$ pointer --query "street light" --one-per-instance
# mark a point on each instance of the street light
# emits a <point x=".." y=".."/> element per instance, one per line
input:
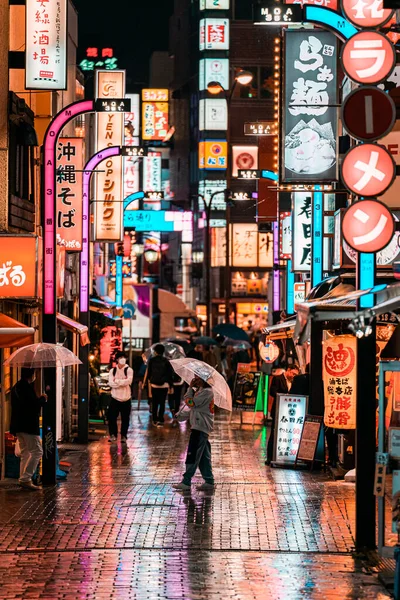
<point x="214" y="87"/>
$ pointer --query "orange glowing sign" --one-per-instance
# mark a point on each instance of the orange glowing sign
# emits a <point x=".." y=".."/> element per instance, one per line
<point x="213" y="154"/>
<point x="18" y="267"/>
<point x="155" y="117"/>
<point x="339" y="359"/>
<point x="70" y="157"/>
<point x="155" y="95"/>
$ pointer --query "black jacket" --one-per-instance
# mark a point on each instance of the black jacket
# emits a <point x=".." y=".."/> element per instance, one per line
<point x="160" y="371"/>
<point x="25" y="409"/>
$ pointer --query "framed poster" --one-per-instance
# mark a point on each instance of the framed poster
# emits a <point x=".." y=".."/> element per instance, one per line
<point x="289" y="421"/>
<point x="245" y="390"/>
<point x="310" y="438"/>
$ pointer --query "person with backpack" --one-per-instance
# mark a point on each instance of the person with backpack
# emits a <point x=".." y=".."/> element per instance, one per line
<point x="120" y="380"/>
<point x="160" y="374"/>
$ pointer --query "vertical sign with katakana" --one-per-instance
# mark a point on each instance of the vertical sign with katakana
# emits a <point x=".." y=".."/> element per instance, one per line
<point x="109" y="184"/>
<point x="131" y="138"/>
<point x="46" y="45"/>
<point x="290" y="415"/>
<point x="339" y="364"/>
<point x="309" y="123"/>
<point x="70" y="156"/>
<point x="301" y="231"/>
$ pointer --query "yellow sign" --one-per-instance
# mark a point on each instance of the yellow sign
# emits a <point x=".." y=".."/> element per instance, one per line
<point x="155" y="95"/>
<point x="339" y="360"/>
<point x="213" y="154"/>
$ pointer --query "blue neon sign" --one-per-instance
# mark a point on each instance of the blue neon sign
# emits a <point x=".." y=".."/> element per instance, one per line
<point x="289" y="288"/>
<point x="317" y="237"/>
<point x="340" y="26"/>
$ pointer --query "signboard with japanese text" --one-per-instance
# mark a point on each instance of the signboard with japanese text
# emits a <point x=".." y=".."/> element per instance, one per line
<point x="301" y="228"/>
<point x="285" y="235"/>
<point x="270" y="12"/>
<point x="155" y="118"/>
<point x="299" y="293"/>
<point x="368" y="57"/>
<point x="261" y="128"/>
<point x="109" y="185"/>
<point x="368" y="226"/>
<point x="213" y="114"/>
<point x="152" y="172"/>
<point x="110" y="344"/>
<point x="19" y="267"/>
<point x="214" y="4"/>
<point x="309" y="438"/>
<point x="208" y="187"/>
<point x="289" y="421"/>
<point x="213" y="69"/>
<point x="99" y="58"/>
<point x="155" y="95"/>
<point x="368" y="14"/>
<point x="339" y="365"/>
<point x="218" y="247"/>
<point x="368" y="170"/>
<point x="244" y="158"/>
<point x="131" y="139"/>
<point x="309" y="119"/>
<point x="213" y="155"/>
<point x="214" y="34"/>
<point x="46" y="45"/>
<point x="70" y="162"/>
<point x="159" y="220"/>
<point x="244" y="244"/>
<point x="244" y="395"/>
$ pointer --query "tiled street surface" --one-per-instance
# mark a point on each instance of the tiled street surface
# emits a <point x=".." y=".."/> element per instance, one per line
<point x="116" y="529"/>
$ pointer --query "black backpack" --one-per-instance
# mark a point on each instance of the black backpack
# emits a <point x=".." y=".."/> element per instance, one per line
<point x="125" y="371"/>
<point x="159" y="371"/>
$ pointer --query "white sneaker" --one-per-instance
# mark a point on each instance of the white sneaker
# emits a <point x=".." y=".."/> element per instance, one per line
<point x="206" y="487"/>
<point x="112" y="438"/>
<point x="181" y="486"/>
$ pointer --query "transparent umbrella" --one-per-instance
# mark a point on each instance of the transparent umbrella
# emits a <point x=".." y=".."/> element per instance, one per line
<point x="188" y="368"/>
<point x="171" y="351"/>
<point x="41" y="356"/>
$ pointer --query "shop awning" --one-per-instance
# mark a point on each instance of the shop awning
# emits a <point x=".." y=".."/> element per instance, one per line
<point x="14" y="334"/>
<point x="280" y="331"/>
<point x="74" y="327"/>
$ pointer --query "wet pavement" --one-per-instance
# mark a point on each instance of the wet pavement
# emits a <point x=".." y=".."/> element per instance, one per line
<point x="116" y="528"/>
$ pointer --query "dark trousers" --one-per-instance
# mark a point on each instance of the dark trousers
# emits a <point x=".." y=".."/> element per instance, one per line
<point x="174" y="399"/>
<point x="116" y="407"/>
<point x="158" y="398"/>
<point x="198" y="456"/>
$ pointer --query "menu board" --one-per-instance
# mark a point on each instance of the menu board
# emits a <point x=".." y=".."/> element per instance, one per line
<point x="289" y="421"/>
<point x="309" y="438"/>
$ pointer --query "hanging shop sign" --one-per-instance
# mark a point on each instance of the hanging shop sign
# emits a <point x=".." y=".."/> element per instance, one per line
<point x="261" y="128"/>
<point x="213" y="114"/>
<point x="368" y="170"/>
<point x="214" y="69"/>
<point x="214" y="4"/>
<point x="19" y="268"/>
<point x="70" y="162"/>
<point x="244" y="158"/>
<point x="301" y="228"/>
<point x="368" y="226"/>
<point x="99" y="58"/>
<point x="109" y="132"/>
<point x="309" y="120"/>
<point x="155" y="95"/>
<point x="299" y="294"/>
<point x="339" y="360"/>
<point x="368" y="114"/>
<point x="277" y="13"/>
<point x="46" y="45"/>
<point x="209" y="188"/>
<point x="131" y="177"/>
<point x="367" y="14"/>
<point x="214" y="34"/>
<point x="269" y="351"/>
<point x="152" y="172"/>
<point x="155" y="118"/>
<point x="285" y="235"/>
<point x="368" y="57"/>
<point x="213" y="155"/>
<point x="290" y="415"/>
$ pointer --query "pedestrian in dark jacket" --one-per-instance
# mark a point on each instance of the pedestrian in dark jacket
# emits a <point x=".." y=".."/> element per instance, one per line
<point x="25" y="414"/>
<point x="281" y="384"/>
<point x="160" y="374"/>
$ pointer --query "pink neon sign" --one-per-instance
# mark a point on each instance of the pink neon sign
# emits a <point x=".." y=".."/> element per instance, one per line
<point x="277" y="274"/>
<point x="49" y="237"/>
<point x="88" y="171"/>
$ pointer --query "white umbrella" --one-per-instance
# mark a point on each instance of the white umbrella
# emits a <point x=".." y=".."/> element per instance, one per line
<point x="39" y="356"/>
<point x="171" y="351"/>
<point x="188" y="368"/>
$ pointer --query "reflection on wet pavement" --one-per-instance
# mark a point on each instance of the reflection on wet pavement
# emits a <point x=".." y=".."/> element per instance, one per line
<point x="116" y="529"/>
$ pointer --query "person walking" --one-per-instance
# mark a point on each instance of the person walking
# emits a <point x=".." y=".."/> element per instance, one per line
<point x="200" y="401"/>
<point x="25" y="414"/>
<point x="160" y="374"/>
<point x="281" y="384"/>
<point x="120" y="380"/>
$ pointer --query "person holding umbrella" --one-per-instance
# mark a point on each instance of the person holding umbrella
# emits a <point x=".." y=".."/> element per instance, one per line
<point x="25" y="413"/>
<point x="199" y="399"/>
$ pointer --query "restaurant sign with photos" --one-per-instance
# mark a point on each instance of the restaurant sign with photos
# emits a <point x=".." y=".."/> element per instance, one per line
<point x="309" y="117"/>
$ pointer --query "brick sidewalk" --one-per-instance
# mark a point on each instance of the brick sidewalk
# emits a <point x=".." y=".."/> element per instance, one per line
<point x="116" y="529"/>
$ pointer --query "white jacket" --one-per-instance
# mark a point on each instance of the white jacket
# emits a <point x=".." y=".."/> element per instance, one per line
<point x="121" y="384"/>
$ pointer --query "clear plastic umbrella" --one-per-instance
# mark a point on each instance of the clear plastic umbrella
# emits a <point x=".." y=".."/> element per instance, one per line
<point x="41" y="356"/>
<point x="171" y="351"/>
<point x="188" y="368"/>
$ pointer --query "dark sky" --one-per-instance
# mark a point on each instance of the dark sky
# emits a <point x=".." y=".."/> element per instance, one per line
<point x="134" y="28"/>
